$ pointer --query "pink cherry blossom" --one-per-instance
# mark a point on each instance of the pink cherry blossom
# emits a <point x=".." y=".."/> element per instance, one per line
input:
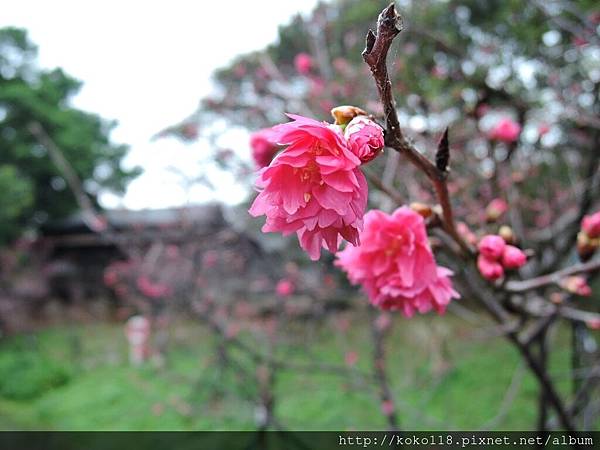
<point x="496" y="208"/>
<point x="489" y="268"/>
<point x="152" y="289"/>
<point x="591" y="225"/>
<point x="313" y="188"/>
<point x="395" y="265"/>
<point x="263" y="147"/>
<point x="303" y="63"/>
<point x="506" y="130"/>
<point x="593" y="324"/>
<point x="513" y="257"/>
<point x="285" y="288"/>
<point x="576" y="284"/>
<point x="492" y="246"/>
<point x="365" y="138"/>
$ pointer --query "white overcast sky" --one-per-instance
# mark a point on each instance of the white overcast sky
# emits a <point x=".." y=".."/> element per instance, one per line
<point x="146" y="65"/>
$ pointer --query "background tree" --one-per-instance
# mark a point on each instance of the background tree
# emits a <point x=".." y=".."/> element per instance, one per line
<point x="32" y="188"/>
<point x="517" y="83"/>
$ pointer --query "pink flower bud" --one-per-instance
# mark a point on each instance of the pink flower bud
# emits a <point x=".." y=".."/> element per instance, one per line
<point x="506" y="130"/>
<point x="488" y="268"/>
<point x="495" y="209"/>
<point x="513" y="258"/>
<point x="591" y="225"/>
<point x="285" y="288"/>
<point x="263" y="147"/>
<point x="303" y="63"/>
<point x="365" y="138"/>
<point x="466" y="233"/>
<point x="576" y="285"/>
<point x="593" y="324"/>
<point x="492" y="246"/>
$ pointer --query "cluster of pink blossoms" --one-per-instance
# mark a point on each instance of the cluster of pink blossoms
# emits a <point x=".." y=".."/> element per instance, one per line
<point x="395" y="265"/>
<point x="314" y="187"/>
<point x="495" y="255"/>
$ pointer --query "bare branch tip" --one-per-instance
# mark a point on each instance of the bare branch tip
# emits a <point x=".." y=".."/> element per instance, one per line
<point x="391" y="15"/>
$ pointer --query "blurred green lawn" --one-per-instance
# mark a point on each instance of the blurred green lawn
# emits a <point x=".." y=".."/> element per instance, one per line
<point x="79" y="378"/>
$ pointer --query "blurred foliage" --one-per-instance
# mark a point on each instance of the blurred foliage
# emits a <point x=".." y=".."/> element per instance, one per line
<point x="32" y="190"/>
<point x="25" y="375"/>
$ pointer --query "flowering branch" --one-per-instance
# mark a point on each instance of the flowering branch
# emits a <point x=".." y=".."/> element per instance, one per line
<point x="389" y="25"/>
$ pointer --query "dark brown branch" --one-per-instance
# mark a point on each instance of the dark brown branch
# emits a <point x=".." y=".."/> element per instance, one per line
<point x="389" y="25"/>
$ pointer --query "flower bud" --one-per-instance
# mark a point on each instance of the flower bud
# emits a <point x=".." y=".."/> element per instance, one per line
<point x="365" y="138"/>
<point x="492" y="246"/>
<point x="488" y="268"/>
<point x="591" y="225"/>
<point x="507" y="234"/>
<point x="593" y="324"/>
<point x="513" y="258"/>
<point x="495" y="209"/>
<point x="344" y="114"/>
<point x="576" y="285"/>
<point x="466" y="233"/>
<point x="422" y="209"/>
<point x="585" y="246"/>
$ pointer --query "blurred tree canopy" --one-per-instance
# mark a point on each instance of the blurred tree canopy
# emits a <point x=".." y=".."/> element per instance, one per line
<point x="457" y="64"/>
<point x="32" y="189"/>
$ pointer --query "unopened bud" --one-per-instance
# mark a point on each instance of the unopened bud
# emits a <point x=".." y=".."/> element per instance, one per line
<point x="422" y="209"/>
<point x="576" y="285"/>
<point x="344" y="114"/>
<point x="495" y="209"/>
<point x="507" y="234"/>
<point x="585" y="246"/>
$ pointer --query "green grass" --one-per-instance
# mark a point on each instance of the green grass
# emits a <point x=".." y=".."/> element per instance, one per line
<point x="443" y="377"/>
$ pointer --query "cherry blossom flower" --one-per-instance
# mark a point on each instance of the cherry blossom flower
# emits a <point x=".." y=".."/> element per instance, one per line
<point x="495" y="209"/>
<point x="313" y="188"/>
<point x="395" y="265"/>
<point x="506" y="130"/>
<point x="303" y="63"/>
<point x="285" y="288"/>
<point x="576" y="285"/>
